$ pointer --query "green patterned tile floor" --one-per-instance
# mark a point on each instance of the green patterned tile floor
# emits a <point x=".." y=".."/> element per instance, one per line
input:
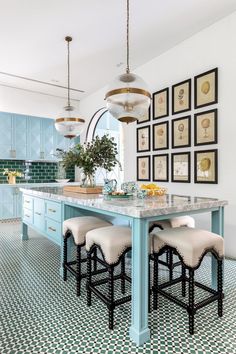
<point x="40" y="313"/>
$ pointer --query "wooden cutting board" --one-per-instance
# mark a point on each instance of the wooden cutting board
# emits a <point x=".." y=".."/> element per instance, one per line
<point x="83" y="190"/>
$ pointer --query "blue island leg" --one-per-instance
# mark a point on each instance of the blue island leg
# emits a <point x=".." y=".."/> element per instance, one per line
<point x="24" y="231"/>
<point x="217" y="226"/>
<point x="139" y="331"/>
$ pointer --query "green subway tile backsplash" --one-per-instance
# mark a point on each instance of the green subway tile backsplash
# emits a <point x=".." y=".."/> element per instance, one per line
<point x="40" y="172"/>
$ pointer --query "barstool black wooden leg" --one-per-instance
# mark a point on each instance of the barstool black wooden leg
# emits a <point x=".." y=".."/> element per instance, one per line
<point x="95" y="260"/>
<point x="111" y="297"/>
<point x="64" y="258"/>
<point x="183" y="280"/>
<point x="78" y="270"/>
<point x="89" y="279"/>
<point x="191" y="310"/>
<point x="155" y="282"/>
<point x="220" y="287"/>
<point x="122" y="275"/>
<point x="170" y="265"/>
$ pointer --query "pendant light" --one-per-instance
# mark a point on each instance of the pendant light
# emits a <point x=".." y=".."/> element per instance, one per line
<point x="128" y="98"/>
<point x="67" y="124"/>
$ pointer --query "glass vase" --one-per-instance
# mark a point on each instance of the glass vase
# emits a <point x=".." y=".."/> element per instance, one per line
<point x="88" y="181"/>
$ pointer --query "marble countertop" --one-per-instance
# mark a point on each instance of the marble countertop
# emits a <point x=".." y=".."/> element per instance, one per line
<point x="33" y="185"/>
<point x="148" y="207"/>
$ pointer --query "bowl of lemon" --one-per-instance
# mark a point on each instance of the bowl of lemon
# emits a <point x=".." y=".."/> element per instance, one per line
<point x="153" y="189"/>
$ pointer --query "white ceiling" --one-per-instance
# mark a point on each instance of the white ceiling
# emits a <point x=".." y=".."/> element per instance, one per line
<point x="32" y="37"/>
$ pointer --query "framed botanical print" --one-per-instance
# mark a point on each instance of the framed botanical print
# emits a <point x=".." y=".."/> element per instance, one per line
<point x="160" y="104"/>
<point x="205" y="166"/>
<point x="180" y="167"/>
<point x="160" y="136"/>
<point x="146" y="117"/>
<point x="205" y="128"/>
<point x="206" y="88"/>
<point x="160" y="167"/>
<point x="181" y="97"/>
<point x="143" y="139"/>
<point x="143" y="168"/>
<point x="181" y="132"/>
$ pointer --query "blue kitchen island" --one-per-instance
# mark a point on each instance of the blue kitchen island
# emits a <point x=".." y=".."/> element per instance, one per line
<point x="45" y="209"/>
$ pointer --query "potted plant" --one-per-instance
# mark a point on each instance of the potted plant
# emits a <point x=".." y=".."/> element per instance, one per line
<point x="11" y="175"/>
<point x="99" y="153"/>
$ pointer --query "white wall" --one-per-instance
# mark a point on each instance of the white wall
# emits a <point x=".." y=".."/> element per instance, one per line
<point x="212" y="47"/>
<point x="19" y="101"/>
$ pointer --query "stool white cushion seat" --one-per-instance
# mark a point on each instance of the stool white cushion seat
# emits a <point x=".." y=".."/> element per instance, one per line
<point x="190" y="243"/>
<point x="113" y="241"/>
<point x="178" y="221"/>
<point x="79" y="226"/>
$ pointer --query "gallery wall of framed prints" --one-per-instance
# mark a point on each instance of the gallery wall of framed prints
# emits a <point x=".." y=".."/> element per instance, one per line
<point x="175" y="134"/>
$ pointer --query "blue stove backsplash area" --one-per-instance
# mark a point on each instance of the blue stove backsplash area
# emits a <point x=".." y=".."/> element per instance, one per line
<point x="39" y="172"/>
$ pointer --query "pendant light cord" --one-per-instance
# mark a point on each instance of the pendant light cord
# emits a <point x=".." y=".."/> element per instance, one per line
<point x="68" y="72"/>
<point x="127" y="40"/>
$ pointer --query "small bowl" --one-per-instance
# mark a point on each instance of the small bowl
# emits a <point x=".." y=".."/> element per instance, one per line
<point x="62" y="180"/>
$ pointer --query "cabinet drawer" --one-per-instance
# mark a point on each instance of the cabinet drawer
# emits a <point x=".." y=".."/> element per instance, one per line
<point x="53" y="210"/>
<point x="53" y="230"/>
<point x="27" y="202"/>
<point x="28" y="216"/>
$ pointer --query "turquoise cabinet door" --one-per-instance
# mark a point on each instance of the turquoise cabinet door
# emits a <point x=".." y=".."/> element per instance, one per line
<point x="19" y="136"/>
<point x="6" y="136"/>
<point x="34" y="138"/>
<point x="7" y="203"/>
<point x="47" y="136"/>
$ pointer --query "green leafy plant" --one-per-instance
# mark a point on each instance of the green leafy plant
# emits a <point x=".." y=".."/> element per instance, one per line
<point x="99" y="153"/>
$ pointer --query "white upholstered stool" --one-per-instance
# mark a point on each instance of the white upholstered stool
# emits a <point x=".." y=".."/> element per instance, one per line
<point x="179" y="221"/>
<point x="113" y="242"/>
<point x="191" y="245"/>
<point x="77" y="228"/>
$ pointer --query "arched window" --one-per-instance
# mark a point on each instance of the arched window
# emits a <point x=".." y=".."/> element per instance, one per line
<point x="104" y="123"/>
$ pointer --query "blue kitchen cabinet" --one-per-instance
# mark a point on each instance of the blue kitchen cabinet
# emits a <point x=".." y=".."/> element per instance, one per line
<point x="34" y="138"/>
<point x="30" y="138"/>
<point x="47" y="139"/>
<point x="6" y="135"/>
<point x="13" y="140"/>
<point x="19" y="136"/>
<point x="10" y="202"/>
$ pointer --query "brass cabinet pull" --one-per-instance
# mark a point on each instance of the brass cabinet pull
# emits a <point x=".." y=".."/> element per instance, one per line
<point x="38" y="213"/>
<point x="52" y="229"/>
<point x="52" y="210"/>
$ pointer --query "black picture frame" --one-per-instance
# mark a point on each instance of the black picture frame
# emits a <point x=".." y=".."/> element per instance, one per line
<point x="173" y="179"/>
<point x="188" y="81"/>
<point x="215" y="100"/>
<point x="149" y="138"/>
<point x="188" y="144"/>
<point x="149" y="168"/>
<point x="166" y="123"/>
<point x="167" y="168"/>
<point x="154" y="106"/>
<point x="196" y="117"/>
<point x="215" y="152"/>
<point x="149" y="116"/>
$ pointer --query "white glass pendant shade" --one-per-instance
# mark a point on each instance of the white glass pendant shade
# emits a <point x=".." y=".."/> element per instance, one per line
<point x="128" y="98"/>
<point x="69" y="124"/>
